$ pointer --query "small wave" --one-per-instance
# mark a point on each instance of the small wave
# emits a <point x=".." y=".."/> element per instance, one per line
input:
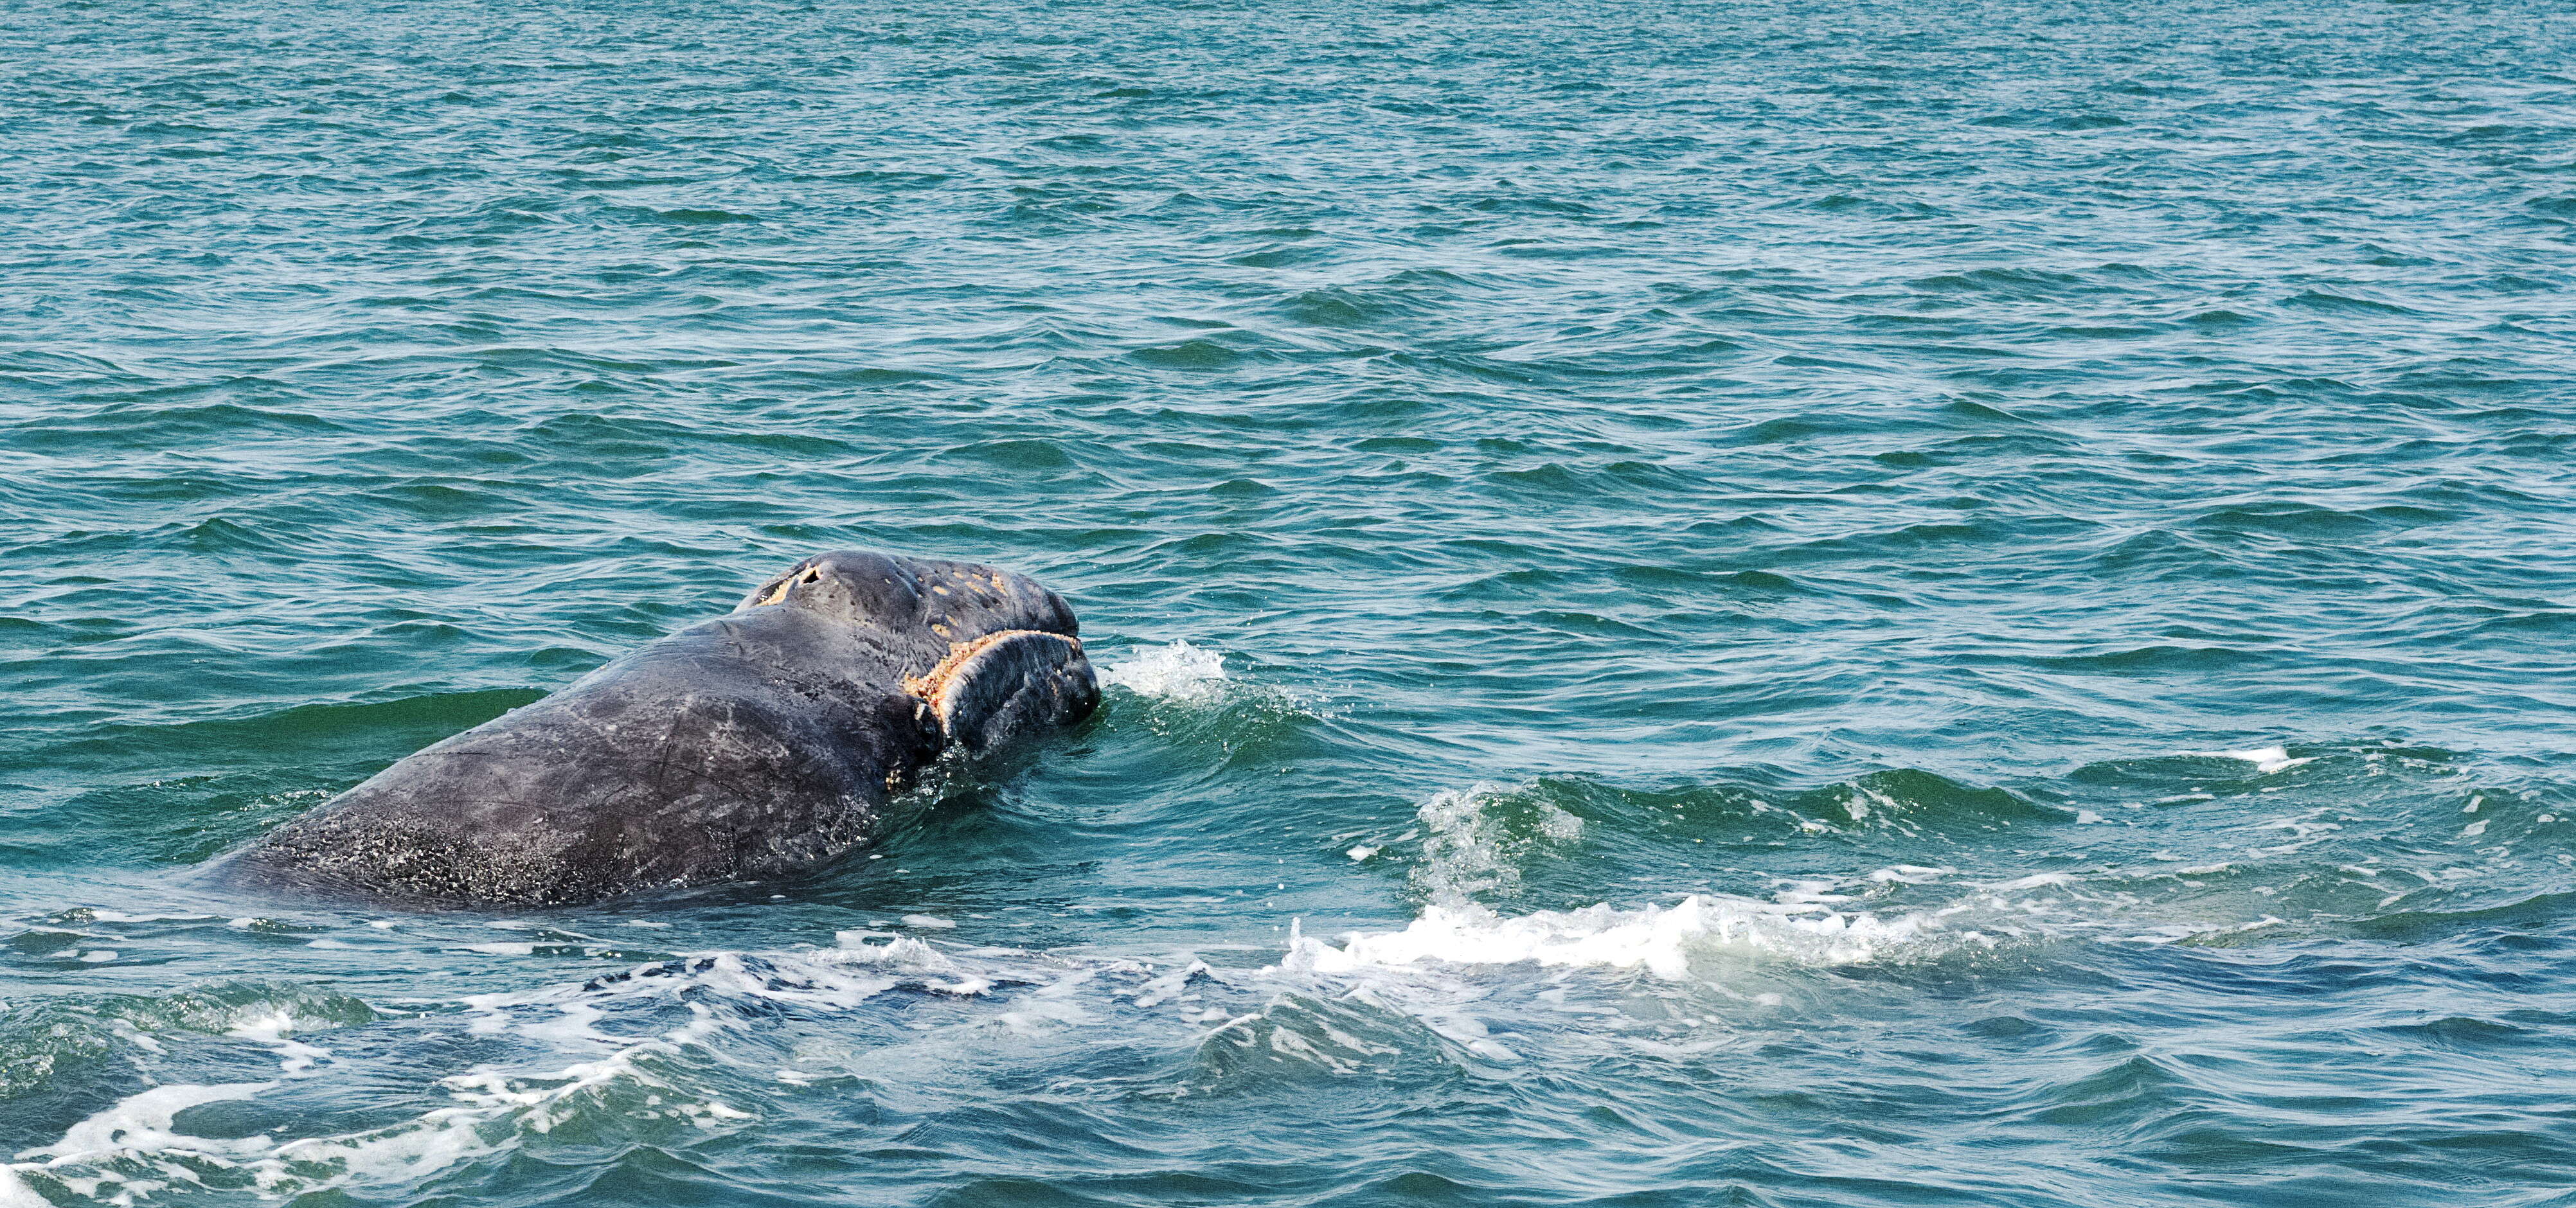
<point x="1298" y="1035"/>
<point x="1474" y="840"/>
<point x="1912" y="802"/>
<point x="41" y="1039"/>
<point x="137" y="1145"/>
<point x="1179" y="671"/>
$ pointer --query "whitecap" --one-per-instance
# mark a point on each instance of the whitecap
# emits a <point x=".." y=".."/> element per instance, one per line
<point x="2266" y="760"/>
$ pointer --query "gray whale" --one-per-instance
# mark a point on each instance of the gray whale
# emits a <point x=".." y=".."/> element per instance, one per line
<point x="764" y="742"/>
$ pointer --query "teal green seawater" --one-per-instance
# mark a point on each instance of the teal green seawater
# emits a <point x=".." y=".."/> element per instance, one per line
<point x="1881" y="603"/>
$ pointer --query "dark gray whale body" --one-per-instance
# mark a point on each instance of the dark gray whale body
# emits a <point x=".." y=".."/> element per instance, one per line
<point x="760" y="743"/>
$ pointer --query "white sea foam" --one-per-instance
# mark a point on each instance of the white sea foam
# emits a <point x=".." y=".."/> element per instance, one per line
<point x="1913" y="874"/>
<point x="1179" y="671"/>
<point x="15" y="1193"/>
<point x="1658" y="939"/>
<point x="2266" y="760"/>
<point x="277" y="1029"/>
<point x="142" y="1122"/>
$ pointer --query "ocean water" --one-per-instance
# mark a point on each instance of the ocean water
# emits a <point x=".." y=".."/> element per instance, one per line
<point x="1874" y="603"/>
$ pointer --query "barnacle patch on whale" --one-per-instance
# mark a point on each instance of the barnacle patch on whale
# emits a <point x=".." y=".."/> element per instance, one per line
<point x="779" y="592"/>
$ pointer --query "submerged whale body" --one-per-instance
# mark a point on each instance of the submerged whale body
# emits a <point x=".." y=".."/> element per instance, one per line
<point x="763" y="742"/>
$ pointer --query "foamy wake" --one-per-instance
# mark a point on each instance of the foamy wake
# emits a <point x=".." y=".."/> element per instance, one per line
<point x="1179" y="671"/>
<point x="136" y="1150"/>
<point x="598" y="1060"/>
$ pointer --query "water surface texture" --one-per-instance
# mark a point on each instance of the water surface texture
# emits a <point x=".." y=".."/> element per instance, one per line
<point x="1837" y="604"/>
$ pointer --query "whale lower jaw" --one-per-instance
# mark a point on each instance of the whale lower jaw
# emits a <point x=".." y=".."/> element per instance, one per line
<point x="1002" y="685"/>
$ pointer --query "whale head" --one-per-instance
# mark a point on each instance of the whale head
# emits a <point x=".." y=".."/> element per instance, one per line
<point x="950" y="603"/>
<point x="989" y="655"/>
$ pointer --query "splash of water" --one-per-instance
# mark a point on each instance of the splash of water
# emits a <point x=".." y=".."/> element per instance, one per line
<point x="1179" y="671"/>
